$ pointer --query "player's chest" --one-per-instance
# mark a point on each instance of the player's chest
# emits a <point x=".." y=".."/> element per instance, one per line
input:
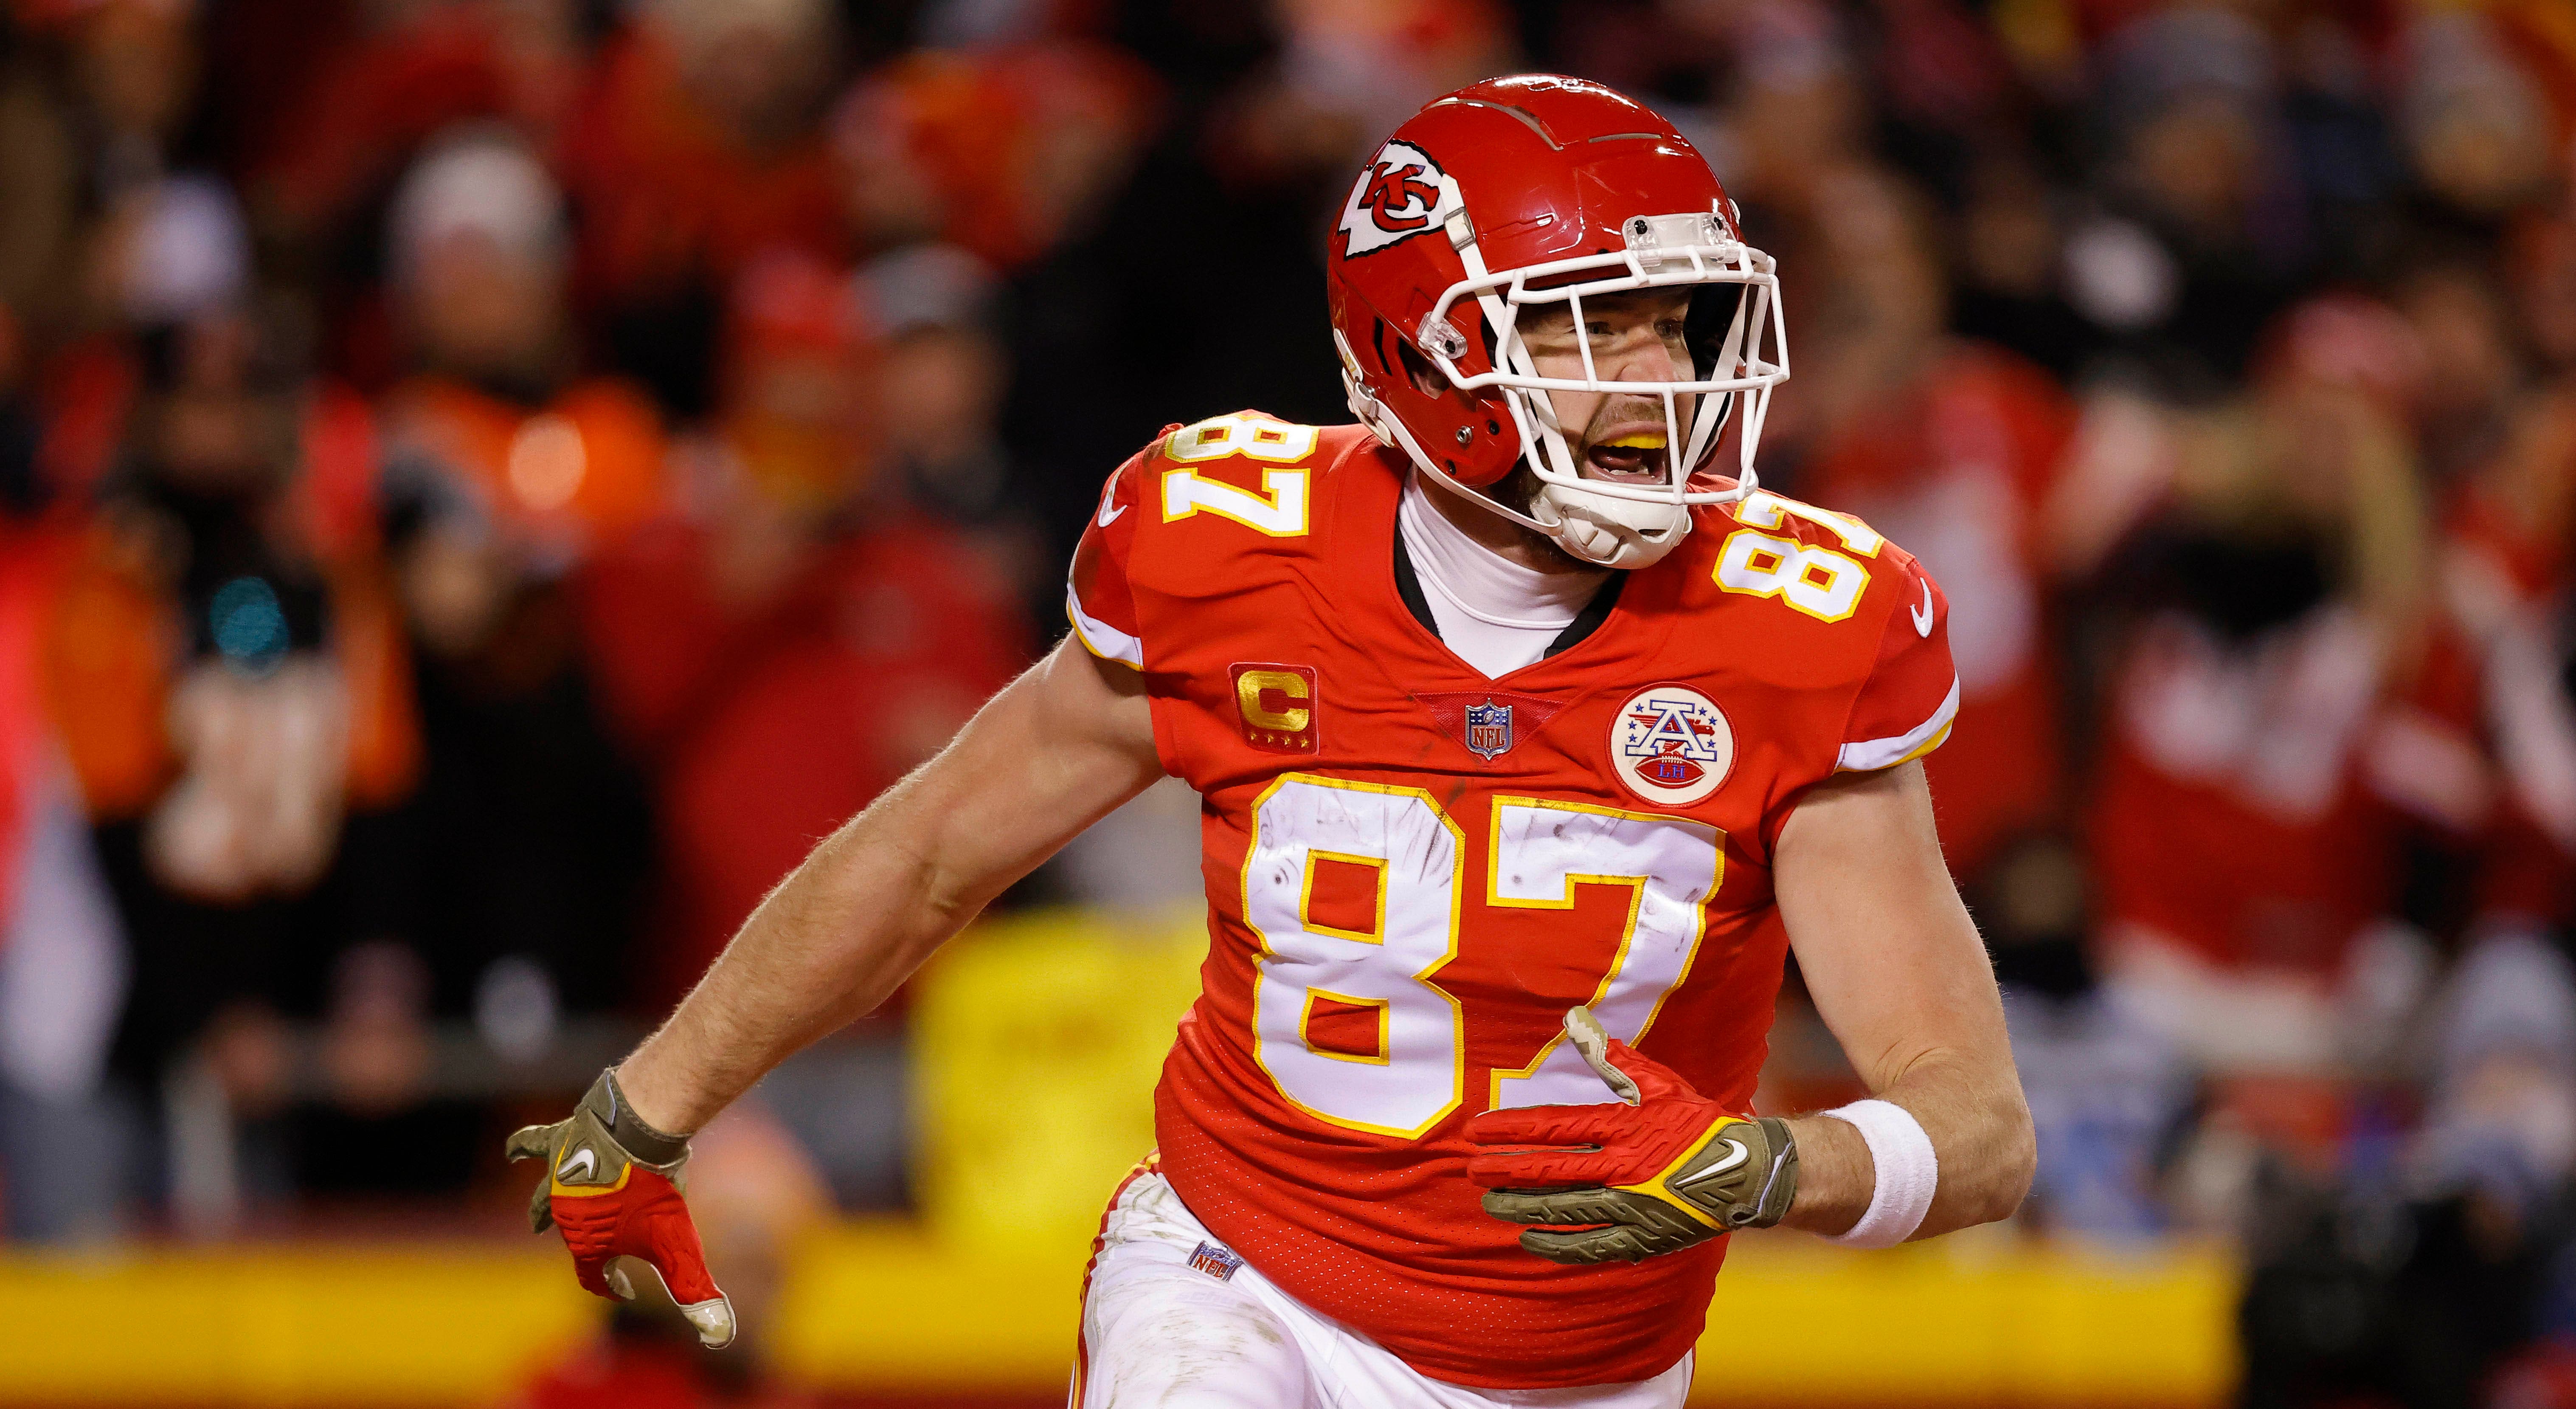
<point x="1634" y="719"/>
<point x="1402" y="942"/>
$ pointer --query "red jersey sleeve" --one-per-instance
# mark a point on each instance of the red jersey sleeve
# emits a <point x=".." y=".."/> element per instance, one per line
<point x="1905" y="707"/>
<point x="1098" y="599"/>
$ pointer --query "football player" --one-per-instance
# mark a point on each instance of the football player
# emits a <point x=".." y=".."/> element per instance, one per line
<point x="1531" y="736"/>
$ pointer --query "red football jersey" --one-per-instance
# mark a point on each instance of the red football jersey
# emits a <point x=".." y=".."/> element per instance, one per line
<point x="1413" y="870"/>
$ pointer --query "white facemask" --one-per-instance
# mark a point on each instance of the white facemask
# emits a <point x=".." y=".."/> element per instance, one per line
<point x="1620" y="525"/>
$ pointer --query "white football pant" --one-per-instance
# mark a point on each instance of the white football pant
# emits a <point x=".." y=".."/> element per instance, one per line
<point x="1161" y="1332"/>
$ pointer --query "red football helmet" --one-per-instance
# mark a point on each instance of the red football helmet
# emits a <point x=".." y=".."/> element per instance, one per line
<point x="1540" y="189"/>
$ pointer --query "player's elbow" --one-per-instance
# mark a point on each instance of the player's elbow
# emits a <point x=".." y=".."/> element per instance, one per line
<point x="949" y="894"/>
<point x="2014" y="1161"/>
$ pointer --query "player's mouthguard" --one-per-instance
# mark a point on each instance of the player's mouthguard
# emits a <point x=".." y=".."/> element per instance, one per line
<point x="1639" y="452"/>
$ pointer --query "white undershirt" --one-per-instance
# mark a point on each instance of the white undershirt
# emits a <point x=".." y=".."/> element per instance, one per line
<point x="1495" y="614"/>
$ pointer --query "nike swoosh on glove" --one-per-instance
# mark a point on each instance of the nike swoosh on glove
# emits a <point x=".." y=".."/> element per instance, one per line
<point x="1660" y="1170"/>
<point x="614" y="1187"/>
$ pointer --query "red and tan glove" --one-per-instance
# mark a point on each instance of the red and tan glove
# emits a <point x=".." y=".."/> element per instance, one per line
<point x="1662" y="1169"/>
<point x="614" y="1187"/>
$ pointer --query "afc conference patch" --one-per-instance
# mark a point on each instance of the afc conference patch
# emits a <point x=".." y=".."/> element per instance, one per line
<point x="1215" y="1261"/>
<point x="1671" y="745"/>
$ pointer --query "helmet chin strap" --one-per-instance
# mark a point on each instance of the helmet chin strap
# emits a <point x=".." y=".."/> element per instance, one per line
<point x="1615" y="533"/>
<point x="1596" y="528"/>
<point x="1609" y="529"/>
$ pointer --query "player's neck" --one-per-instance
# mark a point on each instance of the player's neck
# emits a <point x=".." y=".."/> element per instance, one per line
<point x="1507" y="540"/>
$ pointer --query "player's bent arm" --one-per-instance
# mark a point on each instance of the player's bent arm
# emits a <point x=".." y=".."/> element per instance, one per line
<point x="1056" y="750"/>
<point x="1898" y="973"/>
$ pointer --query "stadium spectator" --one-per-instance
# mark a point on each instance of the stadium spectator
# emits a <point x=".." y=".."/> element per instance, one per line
<point x="64" y="1162"/>
<point x="1001" y="151"/>
<point x="2542" y="268"/>
<point x="377" y="98"/>
<point x="506" y="467"/>
<point x="1955" y="450"/>
<point x="698" y="146"/>
<point x="224" y="667"/>
<point x="617" y="443"/>
<point x="796" y="642"/>
<point x="2242" y="846"/>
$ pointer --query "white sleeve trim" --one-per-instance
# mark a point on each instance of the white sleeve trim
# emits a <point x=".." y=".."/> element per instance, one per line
<point x="1871" y="754"/>
<point x="1106" y="641"/>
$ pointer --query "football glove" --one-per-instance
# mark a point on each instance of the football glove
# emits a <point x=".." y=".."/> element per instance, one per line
<point x="1663" y="1169"/>
<point x="613" y="1186"/>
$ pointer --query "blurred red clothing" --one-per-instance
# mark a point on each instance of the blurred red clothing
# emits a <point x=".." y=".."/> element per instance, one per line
<point x="583" y="470"/>
<point x="86" y="395"/>
<point x="1956" y="467"/>
<point x="30" y="559"/>
<point x="631" y="1372"/>
<point x="770" y="724"/>
<point x="2255" y="803"/>
<point x="666" y="192"/>
<point x="2241" y="884"/>
<point x="83" y="393"/>
<point x="384" y="95"/>
<point x="2505" y="575"/>
<point x="993" y="150"/>
<point x="2254" y="799"/>
<point x="2538" y="1376"/>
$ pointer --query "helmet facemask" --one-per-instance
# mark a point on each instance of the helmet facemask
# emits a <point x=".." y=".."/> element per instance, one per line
<point x="1734" y="320"/>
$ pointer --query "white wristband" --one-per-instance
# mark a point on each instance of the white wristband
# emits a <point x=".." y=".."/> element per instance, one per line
<point x="1906" y="1172"/>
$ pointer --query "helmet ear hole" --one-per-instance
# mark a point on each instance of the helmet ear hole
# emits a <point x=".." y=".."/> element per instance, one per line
<point x="1425" y="377"/>
<point x="1704" y="327"/>
<point x="1380" y="336"/>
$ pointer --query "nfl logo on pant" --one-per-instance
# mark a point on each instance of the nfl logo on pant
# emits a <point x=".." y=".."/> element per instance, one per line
<point x="1215" y="1261"/>
<point x="1489" y="729"/>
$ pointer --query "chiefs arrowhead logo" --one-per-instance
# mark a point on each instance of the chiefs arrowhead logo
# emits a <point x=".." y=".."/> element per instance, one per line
<point x="1396" y="198"/>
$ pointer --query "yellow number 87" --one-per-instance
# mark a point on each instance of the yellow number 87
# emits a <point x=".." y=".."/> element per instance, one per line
<point x="1818" y="581"/>
<point x="1244" y="433"/>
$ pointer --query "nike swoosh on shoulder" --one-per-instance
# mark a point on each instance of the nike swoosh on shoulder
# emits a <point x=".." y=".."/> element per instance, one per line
<point x="1923" y="613"/>
<point x="1110" y="515"/>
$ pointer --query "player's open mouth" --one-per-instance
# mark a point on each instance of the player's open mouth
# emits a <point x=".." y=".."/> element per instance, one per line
<point x="1630" y="455"/>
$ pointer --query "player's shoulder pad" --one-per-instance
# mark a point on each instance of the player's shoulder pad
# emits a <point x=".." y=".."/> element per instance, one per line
<point x="1246" y="467"/>
<point x="1827" y="576"/>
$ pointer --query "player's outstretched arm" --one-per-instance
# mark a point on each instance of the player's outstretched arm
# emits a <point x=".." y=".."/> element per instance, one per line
<point x="1045" y="758"/>
<point x="1055" y="751"/>
<point x="1898" y="973"/>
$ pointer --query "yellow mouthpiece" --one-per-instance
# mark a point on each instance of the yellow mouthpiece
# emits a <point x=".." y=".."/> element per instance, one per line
<point x="1638" y="440"/>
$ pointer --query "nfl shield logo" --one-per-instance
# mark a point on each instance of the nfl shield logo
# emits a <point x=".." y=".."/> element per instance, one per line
<point x="1489" y="729"/>
<point x="1217" y="1262"/>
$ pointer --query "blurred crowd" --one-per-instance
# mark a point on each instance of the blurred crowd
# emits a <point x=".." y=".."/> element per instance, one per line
<point x="485" y="483"/>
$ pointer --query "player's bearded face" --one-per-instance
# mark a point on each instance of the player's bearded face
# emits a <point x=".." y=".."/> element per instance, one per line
<point x="1637" y="337"/>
